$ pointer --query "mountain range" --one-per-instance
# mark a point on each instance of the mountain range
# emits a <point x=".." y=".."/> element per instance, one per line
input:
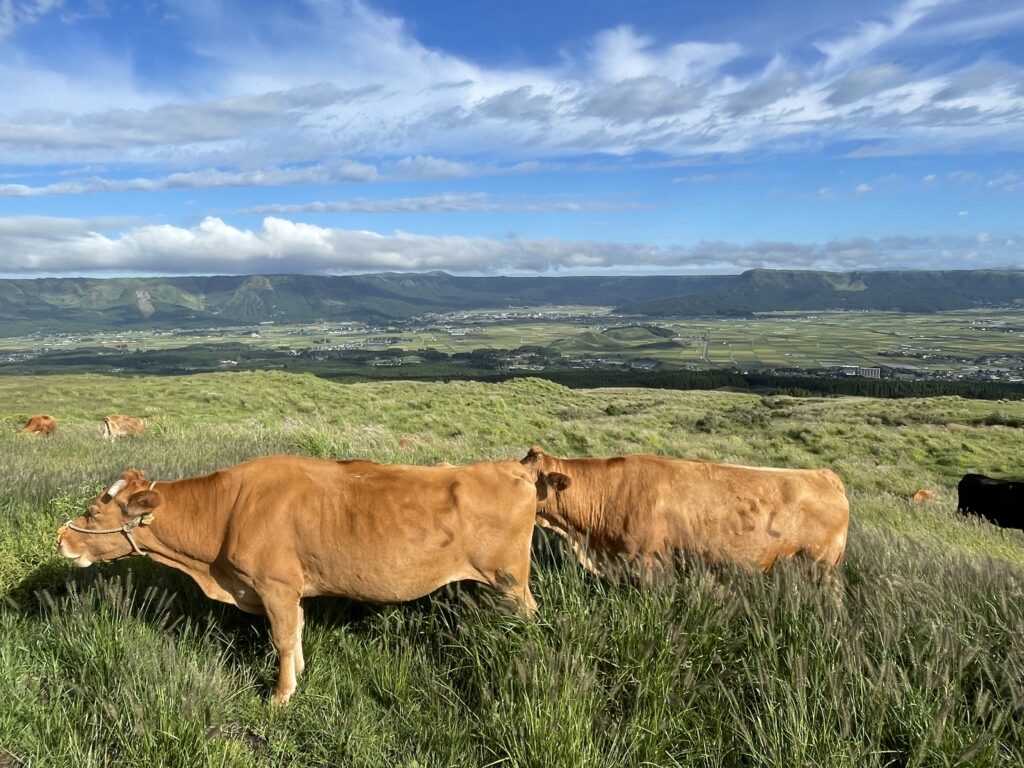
<point x="77" y="304"/>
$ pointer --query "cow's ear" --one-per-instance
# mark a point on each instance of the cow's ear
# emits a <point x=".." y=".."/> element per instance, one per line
<point x="558" y="481"/>
<point x="133" y="476"/>
<point x="536" y="453"/>
<point x="144" y="502"/>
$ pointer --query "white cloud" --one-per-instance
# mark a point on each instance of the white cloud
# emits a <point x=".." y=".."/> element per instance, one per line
<point x="698" y="178"/>
<point x="963" y="213"/>
<point x="18" y="13"/>
<point x="621" y="54"/>
<point x="177" y="123"/>
<point x="32" y="246"/>
<point x="862" y="189"/>
<point x="427" y="167"/>
<point x="276" y="89"/>
<point x="974" y="25"/>
<point x="444" y="203"/>
<point x="962" y="177"/>
<point x="866" y="82"/>
<point x="873" y="34"/>
<point x="1008" y="182"/>
<point x="205" y="179"/>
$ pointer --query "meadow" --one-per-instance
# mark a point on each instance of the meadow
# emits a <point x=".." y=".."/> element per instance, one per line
<point x="911" y="656"/>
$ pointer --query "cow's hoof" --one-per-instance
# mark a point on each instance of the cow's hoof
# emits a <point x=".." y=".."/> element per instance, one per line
<point x="280" y="698"/>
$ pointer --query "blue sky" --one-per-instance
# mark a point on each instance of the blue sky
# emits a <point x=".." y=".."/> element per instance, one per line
<point x="478" y="136"/>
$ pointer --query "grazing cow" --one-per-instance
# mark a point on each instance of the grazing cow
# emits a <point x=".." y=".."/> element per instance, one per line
<point x="264" y="534"/>
<point x="644" y="510"/>
<point x="115" y="426"/>
<point x="40" y="425"/>
<point x="921" y="496"/>
<point x="998" y="501"/>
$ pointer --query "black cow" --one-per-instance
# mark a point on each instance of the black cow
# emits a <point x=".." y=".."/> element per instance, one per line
<point x="998" y="501"/>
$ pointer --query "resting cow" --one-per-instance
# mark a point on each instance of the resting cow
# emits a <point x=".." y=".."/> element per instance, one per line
<point x="644" y="510"/>
<point x="115" y="426"/>
<point x="40" y="425"/>
<point x="266" y="533"/>
<point x="998" y="501"/>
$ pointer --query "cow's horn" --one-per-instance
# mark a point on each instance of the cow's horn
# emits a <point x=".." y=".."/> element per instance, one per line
<point x="116" y="488"/>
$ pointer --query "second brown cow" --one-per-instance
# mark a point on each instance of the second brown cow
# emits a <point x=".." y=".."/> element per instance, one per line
<point x="644" y="510"/>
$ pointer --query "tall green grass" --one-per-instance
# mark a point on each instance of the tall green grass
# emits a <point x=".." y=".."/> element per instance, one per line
<point x="912" y="656"/>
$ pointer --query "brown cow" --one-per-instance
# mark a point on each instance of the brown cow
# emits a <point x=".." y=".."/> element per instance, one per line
<point x="644" y="510"/>
<point x="266" y="533"/>
<point x="921" y="496"/>
<point x="40" y="425"/>
<point x="115" y="426"/>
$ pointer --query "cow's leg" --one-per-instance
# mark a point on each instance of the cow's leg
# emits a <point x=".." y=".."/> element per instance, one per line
<point x="300" y="659"/>
<point x="524" y="601"/>
<point x="285" y="616"/>
<point x="514" y="584"/>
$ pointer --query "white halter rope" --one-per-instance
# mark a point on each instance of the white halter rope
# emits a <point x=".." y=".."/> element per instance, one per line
<point x="126" y="529"/>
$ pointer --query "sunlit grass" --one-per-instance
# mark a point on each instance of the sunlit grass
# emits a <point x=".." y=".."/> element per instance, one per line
<point x="913" y="656"/>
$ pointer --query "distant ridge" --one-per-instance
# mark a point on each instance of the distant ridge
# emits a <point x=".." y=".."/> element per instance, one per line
<point x="765" y="290"/>
<point x="83" y="304"/>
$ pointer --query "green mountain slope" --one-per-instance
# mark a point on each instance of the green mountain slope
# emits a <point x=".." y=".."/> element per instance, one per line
<point x="163" y="302"/>
<point x="168" y="302"/>
<point x="762" y="290"/>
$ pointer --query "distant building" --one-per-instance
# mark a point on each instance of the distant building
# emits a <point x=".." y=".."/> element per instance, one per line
<point x="870" y="373"/>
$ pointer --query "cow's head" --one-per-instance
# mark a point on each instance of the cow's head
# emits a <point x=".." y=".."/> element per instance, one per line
<point x="549" y="482"/>
<point x="106" y="530"/>
<point x="535" y="458"/>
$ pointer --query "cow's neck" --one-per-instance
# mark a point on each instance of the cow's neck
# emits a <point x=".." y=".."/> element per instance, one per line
<point x="581" y="507"/>
<point x="189" y="525"/>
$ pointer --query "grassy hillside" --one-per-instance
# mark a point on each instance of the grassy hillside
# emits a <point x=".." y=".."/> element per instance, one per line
<point x="914" y="657"/>
<point x="639" y="333"/>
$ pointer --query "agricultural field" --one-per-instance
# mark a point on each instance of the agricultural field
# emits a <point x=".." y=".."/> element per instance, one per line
<point x="983" y="345"/>
<point x="912" y="655"/>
